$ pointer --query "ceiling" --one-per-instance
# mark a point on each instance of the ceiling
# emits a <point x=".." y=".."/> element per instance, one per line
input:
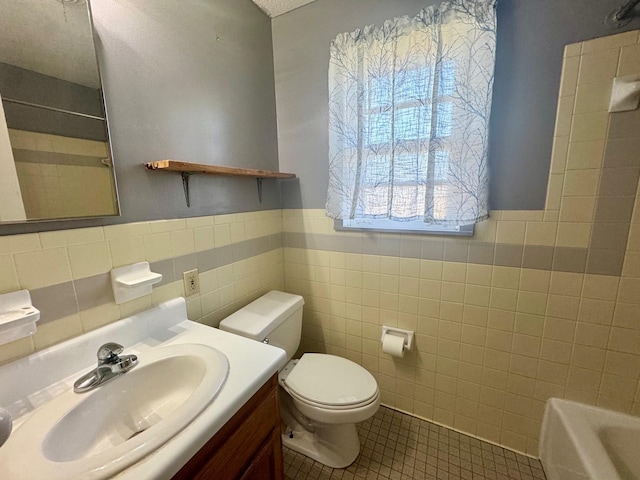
<point x="273" y="8"/>
<point x="52" y="37"/>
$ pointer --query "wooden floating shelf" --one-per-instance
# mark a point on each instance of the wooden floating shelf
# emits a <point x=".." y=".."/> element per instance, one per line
<point x="188" y="168"/>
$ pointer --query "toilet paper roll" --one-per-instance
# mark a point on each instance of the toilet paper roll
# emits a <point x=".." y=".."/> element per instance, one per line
<point x="393" y="345"/>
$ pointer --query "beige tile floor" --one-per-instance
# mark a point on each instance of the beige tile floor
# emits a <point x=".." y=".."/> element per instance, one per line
<point x="397" y="446"/>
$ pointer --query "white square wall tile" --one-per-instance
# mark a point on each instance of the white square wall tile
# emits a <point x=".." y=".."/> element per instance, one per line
<point x="89" y="259"/>
<point x="43" y="268"/>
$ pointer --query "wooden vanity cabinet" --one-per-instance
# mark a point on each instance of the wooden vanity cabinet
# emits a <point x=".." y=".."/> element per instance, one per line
<point x="248" y="447"/>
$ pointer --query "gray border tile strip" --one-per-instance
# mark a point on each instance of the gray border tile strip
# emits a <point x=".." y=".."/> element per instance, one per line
<point x="616" y="196"/>
<point x="94" y="291"/>
<point x="54" y="158"/>
<point x="55" y="301"/>
<point x="539" y="257"/>
<point x="64" y="299"/>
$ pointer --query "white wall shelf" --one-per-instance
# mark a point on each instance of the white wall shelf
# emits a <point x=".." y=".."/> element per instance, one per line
<point x="133" y="281"/>
<point x="18" y="316"/>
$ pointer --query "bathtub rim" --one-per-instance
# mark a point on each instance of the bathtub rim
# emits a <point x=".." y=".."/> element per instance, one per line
<point x="581" y="423"/>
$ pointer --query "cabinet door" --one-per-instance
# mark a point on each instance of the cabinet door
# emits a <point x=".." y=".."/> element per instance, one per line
<point x="248" y="446"/>
<point x="264" y="466"/>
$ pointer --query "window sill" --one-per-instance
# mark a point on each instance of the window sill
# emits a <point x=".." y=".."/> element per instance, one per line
<point x="464" y="231"/>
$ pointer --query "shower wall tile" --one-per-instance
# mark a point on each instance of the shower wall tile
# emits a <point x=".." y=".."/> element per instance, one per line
<point x="622" y="152"/>
<point x="615" y="209"/>
<point x="610" y="235"/>
<point x="629" y="60"/>
<point x="456" y="250"/>
<point x="538" y="257"/>
<point x="610" y="42"/>
<point x="481" y="253"/>
<point x="593" y="97"/>
<point x="624" y="125"/>
<point x="585" y="155"/>
<point x="598" y="66"/>
<point x="589" y="126"/>
<point x="619" y="181"/>
<point x="605" y="261"/>
<point x="577" y="209"/>
<point x="569" y="76"/>
<point x="572" y="234"/>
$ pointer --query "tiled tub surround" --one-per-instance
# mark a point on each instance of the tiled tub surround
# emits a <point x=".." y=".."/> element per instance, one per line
<point x="535" y="304"/>
<point x="239" y="257"/>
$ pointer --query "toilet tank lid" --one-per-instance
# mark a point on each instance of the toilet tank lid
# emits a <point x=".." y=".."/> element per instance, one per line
<point x="261" y="316"/>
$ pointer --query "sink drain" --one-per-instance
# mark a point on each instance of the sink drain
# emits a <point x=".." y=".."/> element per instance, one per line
<point x="135" y="434"/>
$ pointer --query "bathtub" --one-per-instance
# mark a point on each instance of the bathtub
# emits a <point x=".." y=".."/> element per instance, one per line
<point x="580" y="442"/>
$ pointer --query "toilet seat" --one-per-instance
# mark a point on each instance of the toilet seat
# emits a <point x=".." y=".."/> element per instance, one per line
<point x="321" y="406"/>
<point x="329" y="382"/>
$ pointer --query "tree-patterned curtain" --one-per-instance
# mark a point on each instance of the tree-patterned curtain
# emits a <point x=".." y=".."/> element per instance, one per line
<point x="409" y="106"/>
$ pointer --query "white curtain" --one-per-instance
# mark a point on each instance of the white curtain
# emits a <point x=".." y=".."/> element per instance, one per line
<point x="409" y="106"/>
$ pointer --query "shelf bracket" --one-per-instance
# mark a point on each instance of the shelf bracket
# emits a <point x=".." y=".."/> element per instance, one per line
<point x="185" y="187"/>
<point x="259" y="181"/>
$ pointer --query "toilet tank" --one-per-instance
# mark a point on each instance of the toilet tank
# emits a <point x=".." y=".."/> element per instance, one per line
<point x="276" y="316"/>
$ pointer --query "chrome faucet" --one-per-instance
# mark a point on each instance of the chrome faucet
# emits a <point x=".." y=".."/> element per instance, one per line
<point x="110" y="365"/>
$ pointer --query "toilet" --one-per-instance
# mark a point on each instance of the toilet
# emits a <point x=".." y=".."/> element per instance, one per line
<point x="323" y="396"/>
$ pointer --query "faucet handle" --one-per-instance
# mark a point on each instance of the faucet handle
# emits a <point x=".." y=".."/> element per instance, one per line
<point x="109" y="351"/>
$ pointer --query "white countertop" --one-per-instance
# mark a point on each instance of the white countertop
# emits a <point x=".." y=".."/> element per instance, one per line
<point x="42" y="376"/>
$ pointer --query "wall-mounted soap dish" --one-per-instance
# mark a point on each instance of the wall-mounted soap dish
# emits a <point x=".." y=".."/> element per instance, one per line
<point x="18" y="316"/>
<point x="133" y="281"/>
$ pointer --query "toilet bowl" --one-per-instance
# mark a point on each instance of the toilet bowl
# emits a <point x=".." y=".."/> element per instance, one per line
<point x="323" y="396"/>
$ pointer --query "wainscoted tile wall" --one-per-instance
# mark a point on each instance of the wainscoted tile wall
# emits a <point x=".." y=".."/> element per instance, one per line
<point x="239" y="257"/>
<point x="535" y="304"/>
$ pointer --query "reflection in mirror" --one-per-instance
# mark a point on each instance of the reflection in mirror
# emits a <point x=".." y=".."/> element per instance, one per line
<point x="55" y="159"/>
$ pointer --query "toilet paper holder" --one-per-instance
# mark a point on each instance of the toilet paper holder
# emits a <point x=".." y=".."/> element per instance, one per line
<point x="399" y="332"/>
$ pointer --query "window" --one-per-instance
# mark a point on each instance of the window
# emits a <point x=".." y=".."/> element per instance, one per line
<point x="409" y="109"/>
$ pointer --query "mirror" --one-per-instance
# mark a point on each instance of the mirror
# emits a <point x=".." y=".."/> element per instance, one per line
<point x="55" y="155"/>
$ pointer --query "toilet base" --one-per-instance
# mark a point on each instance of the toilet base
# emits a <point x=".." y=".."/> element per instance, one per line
<point x="336" y="446"/>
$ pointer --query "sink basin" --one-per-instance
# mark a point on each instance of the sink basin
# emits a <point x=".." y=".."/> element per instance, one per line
<point x="97" y="434"/>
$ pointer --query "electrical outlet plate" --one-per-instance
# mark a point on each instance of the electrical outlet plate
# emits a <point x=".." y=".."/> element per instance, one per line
<point x="191" y="282"/>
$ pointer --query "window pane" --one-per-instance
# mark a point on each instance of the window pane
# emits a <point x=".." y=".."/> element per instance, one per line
<point x="413" y="85"/>
<point x="379" y="92"/>
<point x="375" y="201"/>
<point x="412" y="123"/>
<point x="440" y="194"/>
<point x="444" y="120"/>
<point x="376" y="170"/>
<point x="447" y="79"/>
<point x="441" y="166"/>
<point x="378" y="129"/>
<point x="406" y="169"/>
